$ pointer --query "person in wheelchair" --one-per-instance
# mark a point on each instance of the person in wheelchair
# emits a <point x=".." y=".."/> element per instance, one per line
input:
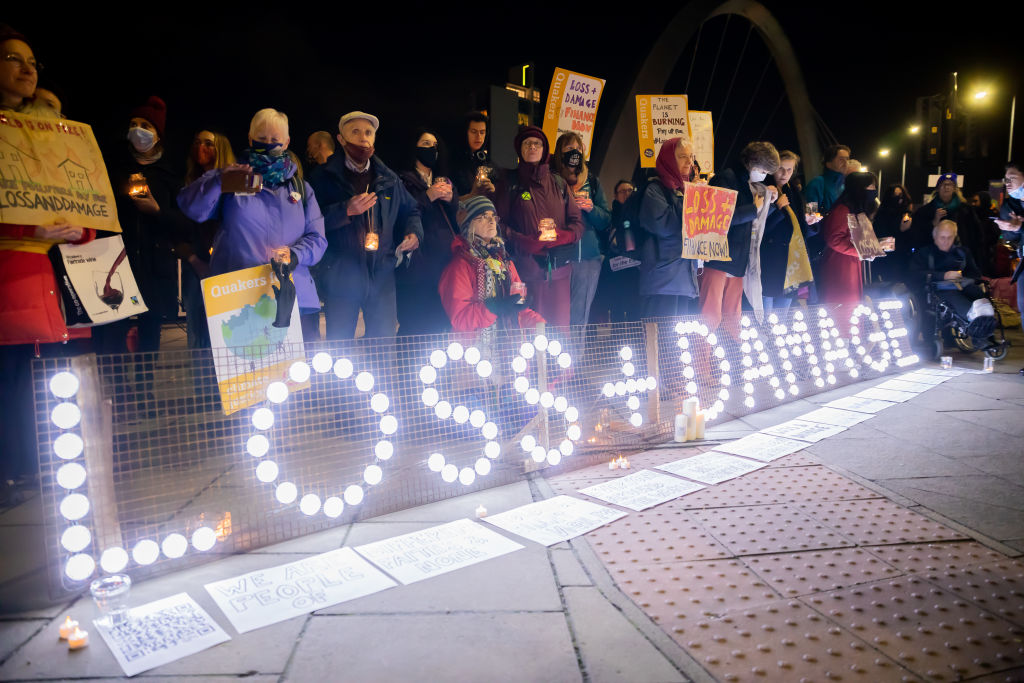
<point x="949" y="281"/>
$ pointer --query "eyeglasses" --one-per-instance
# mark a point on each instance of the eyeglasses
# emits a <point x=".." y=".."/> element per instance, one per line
<point x="14" y="57"/>
<point x="533" y="143"/>
<point x="1010" y="179"/>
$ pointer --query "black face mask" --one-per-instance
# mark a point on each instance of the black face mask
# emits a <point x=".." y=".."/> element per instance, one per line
<point x="869" y="197"/>
<point x="573" y="160"/>
<point x="427" y="156"/>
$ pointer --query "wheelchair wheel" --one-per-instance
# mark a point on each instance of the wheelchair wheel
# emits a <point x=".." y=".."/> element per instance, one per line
<point x="998" y="352"/>
<point x="962" y="340"/>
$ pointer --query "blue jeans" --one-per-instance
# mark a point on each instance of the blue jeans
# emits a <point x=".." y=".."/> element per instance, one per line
<point x="777" y="304"/>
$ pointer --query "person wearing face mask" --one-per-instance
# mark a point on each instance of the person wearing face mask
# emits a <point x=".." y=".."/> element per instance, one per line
<point x="585" y="255"/>
<point x="152" y="226"/>
<point x="209" y="151"/>
<point x="284" y="213"/>
<point x="370" y="220"/>
<point x="893" y="219"/>
<point x="476" y="286"/>
<point x="419" y="305"/>
<point x="526" y="197"/>
<point x="840" y="280"/>
<point x="1011" y="214"/>
<point x="724" y="283"/>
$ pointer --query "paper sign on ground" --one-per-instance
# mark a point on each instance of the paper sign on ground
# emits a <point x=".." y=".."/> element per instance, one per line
<point x="712" y="467"/>
<point x="267" y="596"/>
<point x="904" y="385"/>
<point x="763" y="447"/>
<point x="554" y="520"/>
<point x="641" y="490"/>
<point x="53" y="169"/>
<point x="161" y="632"/>
<point x="886" y="395"/>
<point x="572" y="106"/>
<point x="804" y="430"/>
<point x="437" y="550"/>
<point x="707" y="215"/>
<point x="836" y="416"/>
<point x="859" y="404"/>
<point x="659" y="118"/>
<point x="703" y="137"/>
<point x="924" y="378"/>
<point x="939" y="371"/>
<point x="248" y="351"/>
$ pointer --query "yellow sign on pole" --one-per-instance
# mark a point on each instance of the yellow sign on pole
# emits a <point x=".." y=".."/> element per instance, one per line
<point x="703" y="137"/>
<point x="572" y="106"/>
<point x="52" y="169"/>
<point x="659" y="118"/>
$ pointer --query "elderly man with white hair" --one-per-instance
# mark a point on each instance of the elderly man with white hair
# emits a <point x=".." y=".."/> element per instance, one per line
<point x="371" y="220"/>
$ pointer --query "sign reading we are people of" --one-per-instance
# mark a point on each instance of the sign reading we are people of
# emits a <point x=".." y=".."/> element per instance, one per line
<point x="240" y="312"/>
<point x="52" y="168"/>
<point x="659" y="118"/>
<point x="572" y="106"/>
<point x="707" y="213"/>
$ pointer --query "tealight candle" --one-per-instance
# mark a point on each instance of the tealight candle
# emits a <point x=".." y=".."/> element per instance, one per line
<point x="68" y="627"/>
<point x="78" y="639"/>
<point x="481" y="511"/>
<point x="614" y="464"/>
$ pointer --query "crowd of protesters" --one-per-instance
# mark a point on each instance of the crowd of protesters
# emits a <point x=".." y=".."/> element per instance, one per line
<point x="420" y="248"/>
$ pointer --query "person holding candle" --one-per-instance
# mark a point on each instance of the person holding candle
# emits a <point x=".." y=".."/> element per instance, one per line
<point x="370" y="219"/>
<point x="541" y="216"/>
<point x="284" y="214"/>
<point x="419" y="305"/>
<point x="585" y="255"/>
<point x="477" y="286"/>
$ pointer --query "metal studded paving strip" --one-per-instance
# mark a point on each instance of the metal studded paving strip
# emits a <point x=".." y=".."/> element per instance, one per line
<point x="796" y="573"/>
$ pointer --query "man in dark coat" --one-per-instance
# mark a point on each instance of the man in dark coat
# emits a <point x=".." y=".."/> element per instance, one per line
<point x="368" y="216"/>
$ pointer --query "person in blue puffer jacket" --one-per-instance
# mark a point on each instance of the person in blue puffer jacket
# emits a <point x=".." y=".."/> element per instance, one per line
<point x="284" y="213"/>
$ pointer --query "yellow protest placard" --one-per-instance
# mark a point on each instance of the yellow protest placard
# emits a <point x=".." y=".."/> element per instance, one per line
<point x="52" y="169"/>
<point x="659" y="118"/>
<point x="572" y="106"/>
<point x="703" y="137"/>
<point x="248" y="351"/>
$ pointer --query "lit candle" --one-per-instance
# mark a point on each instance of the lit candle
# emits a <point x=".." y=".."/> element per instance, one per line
<point x="68" y="627"/>
<point x="699" y="430"/>
<point x="624" y="464"/>
<point x="481" y="511"/>
<point x="372" y="241"/>
<point x="614" y="464"/>
<point x="78" y="639"/>
<point x="680" y="427"/>
<point x="137" y="185"/>
<point x="691" y="406"/>
<point x="691" y="426"/>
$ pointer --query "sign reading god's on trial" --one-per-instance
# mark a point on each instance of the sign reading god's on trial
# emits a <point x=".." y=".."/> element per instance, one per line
<point x="572" y="106"/>
<point x="52" y="169"/>
<point x="707" y="213"/>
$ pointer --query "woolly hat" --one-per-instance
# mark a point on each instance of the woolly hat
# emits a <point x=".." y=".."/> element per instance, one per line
<point x="951" y="177"/>
<point x="154" y="111"/>
<point x="532" y="132"/>
<point x="470" y="209"/>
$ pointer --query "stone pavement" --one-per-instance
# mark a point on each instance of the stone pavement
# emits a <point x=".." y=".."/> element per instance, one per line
<point x="882" y="553"/>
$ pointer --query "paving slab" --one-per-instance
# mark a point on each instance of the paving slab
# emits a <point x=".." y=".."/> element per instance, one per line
<point x="760" y="529"/>
<point x="22" y="562"/>
<point x="777" y="485"/>
<point x="667" y="533"/>
<point x="29" y="512"/>
<point x="14" y="634"/>
<point x="927" y="557"/>
<point x="436" y="647"/>
<point x="314" y="543"/>
<point x="611" y="647"/>
<point x="877" y="521"/>
<point x="900" y="457"/>
<point x="568" y="570"/>
<point x="496" y="500"/>
<point x="795" y="574"/>
<point x="997" y="587"/>
<point x="1003" y="421"/>
<point x="987" y="504"/>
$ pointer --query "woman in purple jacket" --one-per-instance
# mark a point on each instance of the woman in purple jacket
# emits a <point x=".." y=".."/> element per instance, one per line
<point x="283" y="214"/>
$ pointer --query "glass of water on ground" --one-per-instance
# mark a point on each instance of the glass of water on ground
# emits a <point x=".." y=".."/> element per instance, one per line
<point x="110" y="594"/>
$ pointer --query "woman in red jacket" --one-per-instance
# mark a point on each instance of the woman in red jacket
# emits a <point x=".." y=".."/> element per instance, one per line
<point x="840" y="265"/>
<point x="476" y="286"/>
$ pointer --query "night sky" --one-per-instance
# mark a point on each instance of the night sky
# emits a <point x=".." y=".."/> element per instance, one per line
<point x="864" y="63"/>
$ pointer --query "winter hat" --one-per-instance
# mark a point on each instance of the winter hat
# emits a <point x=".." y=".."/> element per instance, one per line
<point x="352" y="115"/>
<point x="154" y="111"/>
<point x="470" y="208"/>
<point x="952" y="177"/>
<point x="532" y="132"/>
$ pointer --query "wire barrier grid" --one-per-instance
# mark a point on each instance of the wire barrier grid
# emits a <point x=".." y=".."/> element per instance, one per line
<point x="148" y="464"/>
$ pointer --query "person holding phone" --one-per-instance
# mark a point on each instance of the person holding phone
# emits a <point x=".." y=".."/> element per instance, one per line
<point x="279" y="214"/>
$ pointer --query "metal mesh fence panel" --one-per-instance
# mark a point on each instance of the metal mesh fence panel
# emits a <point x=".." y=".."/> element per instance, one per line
<point x="148" y="463"/>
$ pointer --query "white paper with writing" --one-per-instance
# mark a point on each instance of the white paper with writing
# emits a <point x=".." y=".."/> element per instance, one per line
<point x="924" y="378"/>
<point x="860" y="404"/>
<point x="712" y="467"/>
<point x="904" y="385"/>
<point x="836" y="416"/>
<point x="804" y="430"/>
<point x="437" y="550"/>
<point x="886" y="394"/>
<point x="554" y="520"/>
<point x="641" y="490"/>
<point x="763" y="447"/>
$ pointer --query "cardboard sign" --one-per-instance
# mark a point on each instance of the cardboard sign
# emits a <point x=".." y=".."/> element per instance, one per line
<point x="160" y="632"/>
<point x="863" y="237"/>
<point x="707" y="214"/>
<point x="641" y="490"/>
<point x="554" y="520"/>
<point x="438" y="550"/>
<point x="659" y="118"/>
<point x="240" y="312"/>
<point x="703" y="137"/>
<point x="572" y="106"/>
<point x="267" y="596"/>
<point x="51" y="169"/>
<point x="712" y="467"/>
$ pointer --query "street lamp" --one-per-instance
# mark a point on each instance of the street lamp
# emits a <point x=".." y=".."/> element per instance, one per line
<point x="914" y="129"/>
<point x="884" y="152"/>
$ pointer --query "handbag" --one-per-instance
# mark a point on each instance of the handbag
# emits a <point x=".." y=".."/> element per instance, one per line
<point x="97" y="285"/>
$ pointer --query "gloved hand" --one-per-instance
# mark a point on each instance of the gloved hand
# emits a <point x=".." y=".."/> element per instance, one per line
<point x="505" y="305"/>
<point x="285" y="293"/>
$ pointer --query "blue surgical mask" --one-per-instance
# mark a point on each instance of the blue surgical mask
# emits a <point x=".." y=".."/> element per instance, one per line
<point x="757" y="175"/>
<point x="1018" y="193"/>
<point x="142" y="140"/>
